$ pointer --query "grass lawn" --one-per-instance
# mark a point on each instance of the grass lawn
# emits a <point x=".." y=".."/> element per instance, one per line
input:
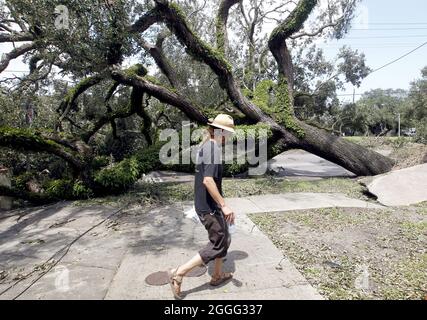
<point x="355" y="253"/>
<point x="150" y="193"/>
<point x="234" y="188"/>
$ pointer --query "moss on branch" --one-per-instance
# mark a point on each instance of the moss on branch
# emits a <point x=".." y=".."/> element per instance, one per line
<point x="280" y="108"/>
<point x="220" y="35"/>
<point x="136" y="70"/>
<point x="284" y="109"/>
<point x="294" y="21"/>
<point x="176" y="20"/>
<point x="32" y="140"/>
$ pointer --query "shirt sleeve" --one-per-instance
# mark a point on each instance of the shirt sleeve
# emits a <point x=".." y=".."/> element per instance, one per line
<point x="211" y="161"/>
<point x="210" y="170"/>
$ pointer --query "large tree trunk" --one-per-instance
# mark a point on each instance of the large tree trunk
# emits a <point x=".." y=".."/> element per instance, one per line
<point x="351" y="156"/>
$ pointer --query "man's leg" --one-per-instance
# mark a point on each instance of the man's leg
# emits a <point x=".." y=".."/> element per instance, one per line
<point x="182" y="270"/>
<point x="217" y="268"/>
<point x="190" y="264"/>
<point x="218" y="276"/>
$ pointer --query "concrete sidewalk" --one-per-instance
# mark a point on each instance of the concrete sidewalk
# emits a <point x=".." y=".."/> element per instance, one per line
<point x="260" y="270"/>
<point x="113" y="259"/>
<point x="296" y="201"/>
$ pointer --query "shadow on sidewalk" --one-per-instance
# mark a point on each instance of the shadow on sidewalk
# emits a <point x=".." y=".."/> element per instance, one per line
<point x="229" y="266"/>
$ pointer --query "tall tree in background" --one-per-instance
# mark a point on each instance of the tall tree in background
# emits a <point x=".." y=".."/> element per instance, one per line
<point x="416" y="114"/>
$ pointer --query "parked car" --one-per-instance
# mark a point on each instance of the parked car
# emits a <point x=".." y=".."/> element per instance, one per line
<point x="409" y="132"/>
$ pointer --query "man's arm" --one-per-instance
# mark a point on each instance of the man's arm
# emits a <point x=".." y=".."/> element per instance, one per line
<point x="210" y="185"/>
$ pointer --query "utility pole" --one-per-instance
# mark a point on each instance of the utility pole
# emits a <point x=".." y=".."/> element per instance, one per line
<point x="398" y="130"/>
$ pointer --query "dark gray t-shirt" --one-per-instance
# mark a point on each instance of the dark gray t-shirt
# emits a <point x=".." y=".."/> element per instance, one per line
<point x="208" y="164"/>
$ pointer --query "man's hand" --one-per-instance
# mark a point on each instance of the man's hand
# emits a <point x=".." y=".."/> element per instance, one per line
<point x="210" y="185"/>
<point x="228" y="213"/>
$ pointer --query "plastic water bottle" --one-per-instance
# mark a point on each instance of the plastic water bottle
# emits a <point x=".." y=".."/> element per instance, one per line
<point x="231" y="228"/>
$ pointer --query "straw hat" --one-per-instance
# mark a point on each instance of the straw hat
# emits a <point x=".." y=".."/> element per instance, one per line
<point x="222" y="121"/>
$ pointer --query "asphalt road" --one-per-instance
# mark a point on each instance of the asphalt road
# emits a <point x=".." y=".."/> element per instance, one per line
<point x="296" y="164"/>
<point x="299" y="163"/>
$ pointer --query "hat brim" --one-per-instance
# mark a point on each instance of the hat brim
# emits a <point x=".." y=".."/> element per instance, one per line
<point x="222" y="127"/>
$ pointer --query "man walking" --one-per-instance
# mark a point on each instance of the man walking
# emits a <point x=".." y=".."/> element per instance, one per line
<point x="210" y="205"/>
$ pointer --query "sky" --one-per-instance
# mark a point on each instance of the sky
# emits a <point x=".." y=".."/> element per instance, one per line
<point x="383" y="29"/>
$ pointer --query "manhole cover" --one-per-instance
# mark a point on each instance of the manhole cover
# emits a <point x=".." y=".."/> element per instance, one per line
<point x="197" y="272"/>
<point x="158" y="278"/>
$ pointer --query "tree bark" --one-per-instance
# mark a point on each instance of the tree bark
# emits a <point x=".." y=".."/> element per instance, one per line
<point x="15" y="53"/>
<point x="221" y="25"/>
<point x="161" y="93"/>
<point x="351" y="156"/>
<point x="70" y="100"/>
<point x="30" y="140"/>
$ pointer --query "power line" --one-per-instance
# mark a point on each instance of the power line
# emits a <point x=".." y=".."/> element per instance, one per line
<point x="400" y="58"/>
<point x="386" y="29"/>
<point x="378" y="43"/>
<point x="389" y="37"/>
<point x="369" y="47"/>
<point x="391" y="23"/>
<point x="16" y="71"/>
<point x="369" y="42"/>
<point x="384" y="66"/>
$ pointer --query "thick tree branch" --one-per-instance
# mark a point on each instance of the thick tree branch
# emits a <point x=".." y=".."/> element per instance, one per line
<point x="200" y="50"/>
<point x="70" y="100"/>
<point x="15" y="37"/>
<point x="143" y="23"/>
<point x="349" y="155"/>
<point x="277" y="42"/>
<point x="293" y="23"/>
<point x="31" y="140"/>
<point x="137" y="99"/>
<point x="15" y="53"/>
<point x="221" y="25"/>
<point x="36" y="198"/>
<point x="163" y="94"/>
<point x="156" y="51"/>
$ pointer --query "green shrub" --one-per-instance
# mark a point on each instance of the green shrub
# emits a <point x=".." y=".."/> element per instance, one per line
<point x="399" y="142"/>
<point x="80" y="191"/>
<point x="234" y="168"/>
<point x="120" y="176"/>
<point x="100" y="161"/>
<point x="20" y="181"/>
<point x="148" y="158"/>
<point x="60" y="188"/>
